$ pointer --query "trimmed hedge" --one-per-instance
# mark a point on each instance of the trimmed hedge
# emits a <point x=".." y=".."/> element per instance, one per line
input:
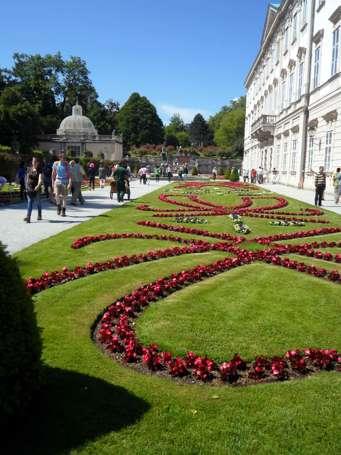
<point x="20" y="344"/>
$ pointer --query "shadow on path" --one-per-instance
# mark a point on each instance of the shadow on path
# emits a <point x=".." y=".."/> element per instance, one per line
<point x="72" y="409"/>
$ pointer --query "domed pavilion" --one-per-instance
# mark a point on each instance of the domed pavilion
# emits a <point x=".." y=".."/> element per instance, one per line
<point x="77" y="136"/>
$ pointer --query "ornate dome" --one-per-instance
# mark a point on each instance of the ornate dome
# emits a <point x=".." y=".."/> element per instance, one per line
<point x="77" y="124"/>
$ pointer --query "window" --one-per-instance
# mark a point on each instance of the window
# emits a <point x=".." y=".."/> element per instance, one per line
<point x="300" y="80"/>
<point x="284" y="89"/>
<point x="310" y="152"/>
<point x="285" y="153"/>
<point x="75" y="150"/>
<point x="293" y="155"/>
<point x="294" y="27"/>
<point x="278" y="50"/>
<point x="291" y="87"/>
<point x="328" y="150"/>
<point x="304" y="12"/>
<point x="336" y="50"/>
<point x="278" y="152"/>
<point x="286" y="39"/>
<point x="317" y="62"/>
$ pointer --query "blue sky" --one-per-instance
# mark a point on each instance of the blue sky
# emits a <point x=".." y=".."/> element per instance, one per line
<point x="186" y="56"/>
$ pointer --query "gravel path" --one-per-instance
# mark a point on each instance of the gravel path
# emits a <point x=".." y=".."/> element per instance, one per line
<point x="17" y="234"/>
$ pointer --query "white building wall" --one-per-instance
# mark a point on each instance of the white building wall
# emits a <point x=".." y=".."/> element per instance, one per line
<point x="275" y="87"/>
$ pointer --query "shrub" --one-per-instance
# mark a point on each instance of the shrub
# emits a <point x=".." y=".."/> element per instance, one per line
<point x="20" y="346"/>
<point x="9" y="164"/>
<point x="195" y="171"/>
<point x="221" y="171"/>
<point x="234" y="176"/>
<point x="228" y="174"/>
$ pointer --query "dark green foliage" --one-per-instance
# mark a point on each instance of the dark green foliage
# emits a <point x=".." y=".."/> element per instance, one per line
<point x="9" y="164"/>
<point x="139" y="123"/>
<point x="228" y="126"/>
<point x="171" y="139"/>
<point x="195" y="171"/>
<point x="228" y="174"/>
<point x="20" y="346"/>
<point x="199" y="132"/>
<point x="234" y="176"/>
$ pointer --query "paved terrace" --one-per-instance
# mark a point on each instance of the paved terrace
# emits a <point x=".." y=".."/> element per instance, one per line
<point x="307" y="196"/>
<point x="17" y="234"/>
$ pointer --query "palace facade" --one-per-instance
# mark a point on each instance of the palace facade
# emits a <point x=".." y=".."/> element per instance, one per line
<point x="293" y="107"/>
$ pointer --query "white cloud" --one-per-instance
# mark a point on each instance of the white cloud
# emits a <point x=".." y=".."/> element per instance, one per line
<point x="186" y="113"/>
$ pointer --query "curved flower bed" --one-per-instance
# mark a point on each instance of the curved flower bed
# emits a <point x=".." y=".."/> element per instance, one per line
<point x="115" y="332"/>
<point x="115" y="329"/>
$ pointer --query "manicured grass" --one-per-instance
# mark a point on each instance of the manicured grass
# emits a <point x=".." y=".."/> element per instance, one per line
<point x="227" y="315"/>
<point x="93" y="405"/>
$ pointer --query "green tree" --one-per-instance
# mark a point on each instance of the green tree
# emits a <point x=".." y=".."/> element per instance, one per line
<point x="183" y="138"/>
<point x="176" y="125"/>
<point x="199" y="132"/>
<point x="230" y="134"/>
<point x="104" y="115"/>
<point x="139" y="123"/>
<point x="20" y="123"/>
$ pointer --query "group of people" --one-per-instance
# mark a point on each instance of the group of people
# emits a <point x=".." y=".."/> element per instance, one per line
<point x="58" y="180"/>
<point x="259" y="175"/>
<point x="61" y="177"/>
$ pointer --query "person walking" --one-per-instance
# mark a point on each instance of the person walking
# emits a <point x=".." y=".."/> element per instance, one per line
<point x="260" y="175"/>
<point x="101" y="174"/>
<point x="185" y="171"/>
<point x="61" y="183"/>
<point x="214" y="173"/>
<point x="337" y="184"/>
<point x="33" y="184"/>
<point x="169" y="173"/>
<point x="320" y="186"/>
<point x="253" y="175"/>
<point x="245" y="175"/>
<point x="157" y="174"/>
<point x="120" y="176"/>
<point x="92" y="175"/>
<point x="77" y="174"/>
<point x="21" y="179"/>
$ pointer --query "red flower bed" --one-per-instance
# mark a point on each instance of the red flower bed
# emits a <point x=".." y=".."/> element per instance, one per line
<point x="115" y="331"/>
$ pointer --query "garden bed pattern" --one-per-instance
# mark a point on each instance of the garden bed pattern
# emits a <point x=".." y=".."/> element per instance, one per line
<point x="114" y="329"/>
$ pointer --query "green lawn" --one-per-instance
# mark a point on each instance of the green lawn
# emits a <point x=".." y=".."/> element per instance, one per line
<point x="91" y="404"/>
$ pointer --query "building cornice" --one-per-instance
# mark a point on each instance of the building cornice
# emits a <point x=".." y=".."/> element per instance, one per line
<point x="283" y="9"/>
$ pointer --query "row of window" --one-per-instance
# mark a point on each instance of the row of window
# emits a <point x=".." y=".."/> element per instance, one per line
<point x="288" y="160"/>
<point x="335" y="58"/>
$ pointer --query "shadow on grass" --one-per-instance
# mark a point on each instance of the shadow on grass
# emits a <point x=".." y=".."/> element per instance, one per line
<point x="72" y="409"/>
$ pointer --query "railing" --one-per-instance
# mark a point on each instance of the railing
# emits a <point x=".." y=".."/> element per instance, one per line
<point x="263" y="121"/>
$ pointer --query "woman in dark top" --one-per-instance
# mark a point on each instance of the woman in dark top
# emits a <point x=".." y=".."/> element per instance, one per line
<point x="33" y="184"/>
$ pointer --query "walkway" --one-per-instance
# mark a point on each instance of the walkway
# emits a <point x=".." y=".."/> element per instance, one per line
<point x="16" y="234"/>
<point x="304" y="196"/>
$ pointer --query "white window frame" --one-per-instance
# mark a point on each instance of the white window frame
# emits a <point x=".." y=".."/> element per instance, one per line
<point x="300" y="80"/>
<point x="317" y="65"/>
<point x="335" y="50"/>
<point x="310" y="151"/>
<point x="328" y="150"/>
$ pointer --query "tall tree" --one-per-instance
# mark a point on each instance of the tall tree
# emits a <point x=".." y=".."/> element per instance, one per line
<point x="199" y="132"/>
<point x="230" y="134"/>
<point x="20" y="122"/>
<point x="139" y="123"/>
<point x="104" y="115"/>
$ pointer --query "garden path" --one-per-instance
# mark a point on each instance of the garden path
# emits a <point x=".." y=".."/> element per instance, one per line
<point x="304" y="196"/>
<point x="16" y="234"/>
